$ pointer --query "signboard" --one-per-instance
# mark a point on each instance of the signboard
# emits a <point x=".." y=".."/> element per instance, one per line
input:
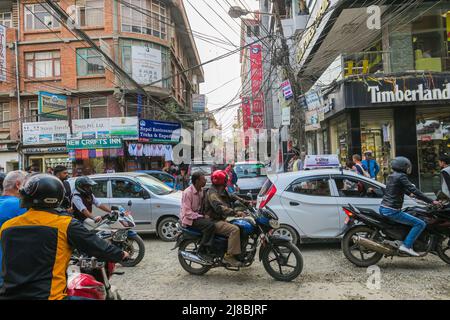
<point x="2" y="53"/>
<point x="198" y="102"/>
<point x="107" y="143"/>
<point x="285" y="116"/>
<point x="45" y="150"/>
<point x="322" y="161"/>
<point x="159" y="131"/>
<point x="312" y="120"/>
<point x="313" y="100"/>
<point x="146" y="65"/>
<point x="246" y="113"/>
<point x="52" y="105"/>
<point x="256" y="76"/>
<point x="287" y="90"/>
<point x="417" y="94"/>
<point x="57" y="132"/>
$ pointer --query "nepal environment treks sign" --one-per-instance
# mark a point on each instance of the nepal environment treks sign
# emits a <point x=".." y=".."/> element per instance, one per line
<point x="419" y="94"/>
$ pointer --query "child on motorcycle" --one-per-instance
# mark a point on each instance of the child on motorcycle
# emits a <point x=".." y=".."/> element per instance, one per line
<point x="397" y="186"/>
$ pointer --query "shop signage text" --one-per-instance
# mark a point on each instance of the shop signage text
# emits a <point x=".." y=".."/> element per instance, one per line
<point x="322" y="161"/>
<point x="107" y="143"/>
<point x="420" y="94"/>
<point x="287" y="89"/>
<point x="146" y="65"/>
<point x="52" y="105"/>
<point x="2" y="53"/>
<point x="45" y="150"/>
<point x="159" y="131"/>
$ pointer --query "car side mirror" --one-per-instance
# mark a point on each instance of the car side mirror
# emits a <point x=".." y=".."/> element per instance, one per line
<point x="145" y="194"/>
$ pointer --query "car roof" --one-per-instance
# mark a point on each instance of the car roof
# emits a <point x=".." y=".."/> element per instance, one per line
<point x="152" y="171"/>
<point x="286" y="178"/>
<point x="117" y="174"/>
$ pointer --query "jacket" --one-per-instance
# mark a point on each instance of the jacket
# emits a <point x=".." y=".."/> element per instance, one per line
<point x="218" y="205"/>
<point x="37" y="247"/>
<point x="372" y="167"/>
<point x="396" y="187"/>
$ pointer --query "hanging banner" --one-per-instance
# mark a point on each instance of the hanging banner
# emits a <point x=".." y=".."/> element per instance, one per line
<point x="287" y="90"/>
<point x="246" y="113"/>
<point x="198" y="103"/>
<point x="159" y="131"/>
<point x="146" y="65"/>
<point x="285" y="116"/>
<point x="256" y="76"/>
<point x="52" y="105"/>
<point x="2" y="53"/>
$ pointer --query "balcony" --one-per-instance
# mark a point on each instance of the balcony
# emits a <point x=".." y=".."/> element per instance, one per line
<point x="362" y="63"/>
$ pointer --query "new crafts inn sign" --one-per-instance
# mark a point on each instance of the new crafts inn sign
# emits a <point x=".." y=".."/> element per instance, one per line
<point x="419" y="94"/>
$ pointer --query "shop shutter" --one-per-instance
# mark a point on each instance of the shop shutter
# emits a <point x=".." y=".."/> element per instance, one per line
<point x="382" y="115"/>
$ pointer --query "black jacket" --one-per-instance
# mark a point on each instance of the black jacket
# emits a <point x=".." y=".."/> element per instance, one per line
<point x="67" y="202"/>
<point x="397" y="186"/>
<point x="37" y="247"/>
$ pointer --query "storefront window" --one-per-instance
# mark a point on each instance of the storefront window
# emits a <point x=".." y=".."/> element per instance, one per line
<point x="433" y="133"/>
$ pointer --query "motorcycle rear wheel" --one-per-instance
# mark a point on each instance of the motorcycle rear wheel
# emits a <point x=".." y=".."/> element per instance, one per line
<point x="191" y="245"/>
<point x="348" y="245"/>
<point x="281" y="253"/>
<point x="443" y="250"/>
<point x="128" y="246"/>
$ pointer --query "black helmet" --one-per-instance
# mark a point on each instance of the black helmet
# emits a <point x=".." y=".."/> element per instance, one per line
<point x="2" y="178"/>
<point x="42" y="191"/>
<point x="84" y="185"/>
<point x="401" y="164"/>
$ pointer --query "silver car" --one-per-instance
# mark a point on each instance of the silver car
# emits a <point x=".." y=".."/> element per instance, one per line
<point x="309" y="203"/>
<point x="155" y="206"/>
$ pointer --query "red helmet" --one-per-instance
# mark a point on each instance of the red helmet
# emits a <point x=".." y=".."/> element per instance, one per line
<point x="219" y="177"/>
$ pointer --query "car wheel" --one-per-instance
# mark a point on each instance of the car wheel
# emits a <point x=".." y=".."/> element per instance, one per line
<point x="167" y="229"/>
<point x="287" y="231"/>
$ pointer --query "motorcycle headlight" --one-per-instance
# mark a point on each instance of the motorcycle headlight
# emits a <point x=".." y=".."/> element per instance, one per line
<point x="275" y="224"/>
<point x="120" y="236"/>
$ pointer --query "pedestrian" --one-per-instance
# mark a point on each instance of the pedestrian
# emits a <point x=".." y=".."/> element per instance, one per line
<point x="444" y="163"/>
<point x="292" y="163"/>
<point x="370" y="165"/>
<point x="182" y="179"/>
<point x="301" y="161"/>
<point x="191" y="215"/>
<point x="232" y="178"/>
<point x="358" y="166"/>
<point x="10" y="201"/>
<point x="62" y="174"/>
<point x="50" y="170"/>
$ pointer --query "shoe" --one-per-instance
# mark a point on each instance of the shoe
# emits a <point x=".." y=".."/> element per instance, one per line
<point x="409" y="251"/>
<point x="231" y="260"/>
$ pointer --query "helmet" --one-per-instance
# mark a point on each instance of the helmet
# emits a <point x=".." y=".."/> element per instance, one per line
<point x="84" y="185"/>
<point x="219" y="178"/>
<point x="2" y="177"/>
<point x="42" y="191"/>
<point x="401" y="164"/>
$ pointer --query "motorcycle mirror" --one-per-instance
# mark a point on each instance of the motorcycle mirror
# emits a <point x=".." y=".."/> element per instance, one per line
<point x="130" y="203"/>
<point x="250" y="196"/>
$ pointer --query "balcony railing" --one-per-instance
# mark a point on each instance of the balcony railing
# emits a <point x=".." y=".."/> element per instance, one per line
<point x="370" y="62"/>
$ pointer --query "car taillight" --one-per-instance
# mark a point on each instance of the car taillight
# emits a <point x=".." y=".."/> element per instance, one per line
<point x="348" y="212"/>
<point x="267" y="196"/>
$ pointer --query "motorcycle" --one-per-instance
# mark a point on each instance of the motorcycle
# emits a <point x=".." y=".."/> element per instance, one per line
<point x="89" y="278"/>
<point x="369" y="236"/>
<point x="275" y="251"/>
<point x="117" y="228"/>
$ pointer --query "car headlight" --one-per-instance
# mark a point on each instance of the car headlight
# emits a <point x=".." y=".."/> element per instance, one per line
<point x="275" y="224"/>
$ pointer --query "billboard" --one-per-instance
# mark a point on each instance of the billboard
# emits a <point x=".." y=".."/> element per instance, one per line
<point x="52" y="105"/>
<point x="146" y="65"/>
<point x="198" y="102"/>
<point x="159" y="131"/>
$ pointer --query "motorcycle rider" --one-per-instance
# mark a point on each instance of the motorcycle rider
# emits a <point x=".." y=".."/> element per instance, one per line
<point x="396" y="187"/>
<point x="217" y="206"/>
<point x="444" y="163"/>
<point x="83" y="199"/>
<point x="38" y="245"/>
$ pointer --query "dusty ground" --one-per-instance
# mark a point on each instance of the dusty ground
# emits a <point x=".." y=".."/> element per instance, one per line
<point x="326" y="275"/>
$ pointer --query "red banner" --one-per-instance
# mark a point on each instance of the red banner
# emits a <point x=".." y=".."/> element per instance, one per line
<point x="256" y="76"/>
<point x="246" y="113"/>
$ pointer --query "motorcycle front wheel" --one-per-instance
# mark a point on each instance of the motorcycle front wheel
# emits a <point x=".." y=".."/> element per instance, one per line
<point x="356" y="254"/>
<point x="191" y="246"/>
<point x="443" y="250"/>
<point x="135" y="246"/>
<point x="283" y="261"/>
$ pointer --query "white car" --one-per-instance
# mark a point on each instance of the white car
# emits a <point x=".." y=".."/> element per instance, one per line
<point x="309" y="203"/>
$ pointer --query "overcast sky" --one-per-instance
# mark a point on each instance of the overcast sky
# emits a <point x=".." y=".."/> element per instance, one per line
<point x="220" y="72"/>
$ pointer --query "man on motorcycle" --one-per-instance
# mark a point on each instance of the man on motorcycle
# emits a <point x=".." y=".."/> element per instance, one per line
<point x="444" y="163"/>
<point x="397" y="186"/>
<point x="218" y="208"/>
<point x="190" y="215"/>
<point x="38" y="245"/>
<point x="83" y="200"/>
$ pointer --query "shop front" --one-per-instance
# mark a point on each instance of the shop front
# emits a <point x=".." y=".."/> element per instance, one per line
<point x="9" y="157"/>
<point x="43" y="158"/>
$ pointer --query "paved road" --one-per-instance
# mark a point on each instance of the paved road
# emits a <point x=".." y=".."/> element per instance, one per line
<point x="326" y="275"/>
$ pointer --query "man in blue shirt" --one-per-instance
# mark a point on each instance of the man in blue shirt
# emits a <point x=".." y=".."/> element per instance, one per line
<point x="10" y="202"/>
<point x="370" y="165"/>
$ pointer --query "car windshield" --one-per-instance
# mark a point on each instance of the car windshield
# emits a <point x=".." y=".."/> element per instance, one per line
<point x="250" y="170"/>
<point x="204" y="169"/>
<point x="154" y="185"/>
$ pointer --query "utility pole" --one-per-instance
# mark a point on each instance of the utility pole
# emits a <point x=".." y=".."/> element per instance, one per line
<point x="297" y="126"/>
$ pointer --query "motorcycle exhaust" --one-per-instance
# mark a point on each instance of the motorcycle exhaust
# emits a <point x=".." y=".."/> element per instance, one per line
<point x="372" y="245"/>
<point x="193" y="258"/>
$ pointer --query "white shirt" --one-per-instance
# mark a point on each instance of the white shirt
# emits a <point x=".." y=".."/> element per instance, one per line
<point x="77" y="202"/>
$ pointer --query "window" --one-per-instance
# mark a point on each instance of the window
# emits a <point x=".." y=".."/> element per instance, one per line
<point x="33" y="111"/>
<point x="122" y="188"/>
<point x="93" y="108"/>
<point x="311" y="187"/>
<point x="151" y="20"/>
<point x="38" y="17"/>
<point x="5" y="19"/>
<point x="89" y="62"/>
<point x="90" y="12"/>
<point x="350" y="187"/>
<point x="100" y="190"/>
<point x="4" y="114"/>
<point x="43" y="64"/>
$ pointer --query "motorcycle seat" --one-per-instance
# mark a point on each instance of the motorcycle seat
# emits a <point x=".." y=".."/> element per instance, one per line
<point x="375" y="215"/>
<point x="197" y="232"/>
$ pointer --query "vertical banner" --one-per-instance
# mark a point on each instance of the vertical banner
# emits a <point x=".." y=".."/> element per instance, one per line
<point x="139" y="106"/>
<point x="256" y="76"/>
<point x="246" y="113"/>
<point x="2" y="53"/>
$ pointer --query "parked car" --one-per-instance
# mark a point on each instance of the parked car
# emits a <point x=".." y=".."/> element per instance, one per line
<point x="309" y="203"/>
<point x="165" y="177"/>
<point x="251" y="178"/>
<point x="154" y="205"/>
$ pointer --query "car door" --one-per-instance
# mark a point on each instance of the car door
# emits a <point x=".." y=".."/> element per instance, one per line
<point x="124" y="191"/>
<point x="100" y="191"/>
<point x="309" y="202"/>
<point x="358" y="192"/>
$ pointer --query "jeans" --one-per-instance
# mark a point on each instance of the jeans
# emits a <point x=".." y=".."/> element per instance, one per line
<point x="401" y="217"/>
